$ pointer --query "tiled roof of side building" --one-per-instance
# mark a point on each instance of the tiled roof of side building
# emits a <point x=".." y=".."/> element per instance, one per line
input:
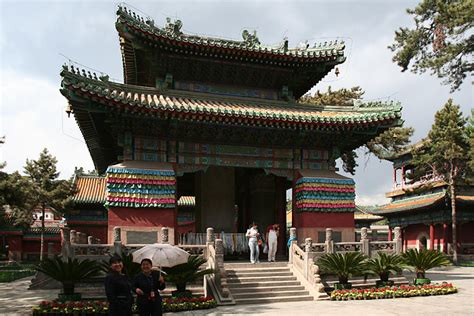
<point x="226" y="110"/>
<point x="128" y="21"/>
<point x="410" y="204"/>
<point x="90" y="189"/>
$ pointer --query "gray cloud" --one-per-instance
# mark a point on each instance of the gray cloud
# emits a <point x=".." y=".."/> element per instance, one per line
<point x="33" y="35"/>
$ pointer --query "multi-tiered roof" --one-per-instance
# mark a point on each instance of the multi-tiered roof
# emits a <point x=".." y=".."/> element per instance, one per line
<point x="180" y="86"/>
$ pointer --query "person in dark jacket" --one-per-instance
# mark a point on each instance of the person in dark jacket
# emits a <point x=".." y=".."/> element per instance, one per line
<point x="147" y="285"/>
<point x="118" y="289"/>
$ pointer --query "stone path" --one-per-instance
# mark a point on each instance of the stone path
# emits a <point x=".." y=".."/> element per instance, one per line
<point x="15" y="299"/>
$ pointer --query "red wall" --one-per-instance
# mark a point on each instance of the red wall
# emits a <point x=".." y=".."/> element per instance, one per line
<point x="325" y="220"/>
<point x="141" y="217"/>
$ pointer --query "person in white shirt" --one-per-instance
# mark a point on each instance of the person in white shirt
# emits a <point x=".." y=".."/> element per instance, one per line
<point x="253" y="235"/>
<point x="272" y="239"/>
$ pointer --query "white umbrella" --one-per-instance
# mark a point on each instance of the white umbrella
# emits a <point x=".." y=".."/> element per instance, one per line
<point x="161" y="255"/>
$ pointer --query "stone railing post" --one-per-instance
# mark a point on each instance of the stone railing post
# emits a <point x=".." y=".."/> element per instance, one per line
<point x="221" y="273"/>
<point x="329" y="241"/>
<point x="398" y="240"/>
<point x="294" y="240"/>
<point x="117" y="241"/>
<point x="66" y="242"/>
<point x="164" y="235"/>
<point x="365" y="248"/>
<point x="73" y="237"/>
<point x="308" y="243"/>
<point x="209" y="240"/>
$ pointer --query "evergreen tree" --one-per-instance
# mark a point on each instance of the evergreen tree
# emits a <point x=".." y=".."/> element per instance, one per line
<point x="442" y="40"/>
<point x="48" y="190"/>
<point x="389" y="142"/>
<point x="445" y="153"/>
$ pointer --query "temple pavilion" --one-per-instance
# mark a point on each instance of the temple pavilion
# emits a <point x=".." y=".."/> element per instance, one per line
<point x="423" y="209"/>
<point x="219" y="120"/>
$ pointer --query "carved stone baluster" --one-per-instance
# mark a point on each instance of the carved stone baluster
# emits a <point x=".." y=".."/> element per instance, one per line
<point x="398" y="240"/>
<point x="329" y="241"/>
<point x="117" y="241"/>
<point x="164" y="235"/>
<point x="365" y="241"/>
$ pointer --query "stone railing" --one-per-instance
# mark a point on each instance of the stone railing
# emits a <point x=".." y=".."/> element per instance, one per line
<point x="365" y="245"/>
<point x="216" y="283"/>
<point x="302" y="258"/>
<point x="302" y="264"/>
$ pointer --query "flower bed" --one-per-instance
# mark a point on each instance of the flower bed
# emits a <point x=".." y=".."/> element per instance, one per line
<point x="393" y="292"/>
<point x="102" y="307"/>
<point x="71" y="308"/>
<point x="186" y="304"/>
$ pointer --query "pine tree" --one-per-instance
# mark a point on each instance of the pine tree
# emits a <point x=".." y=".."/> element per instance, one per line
<point x="387" y="143"/>
<point x="442" y="40"/>
<point x="445" y="153"/>
<point x="48" y="190"/>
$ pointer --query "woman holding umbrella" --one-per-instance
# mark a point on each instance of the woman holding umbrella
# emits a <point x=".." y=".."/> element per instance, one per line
<point x="147" y="285"/>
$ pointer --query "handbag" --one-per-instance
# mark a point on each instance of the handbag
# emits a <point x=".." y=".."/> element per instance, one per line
<point x="265" y="248"/>
<point x="259" y="242"/>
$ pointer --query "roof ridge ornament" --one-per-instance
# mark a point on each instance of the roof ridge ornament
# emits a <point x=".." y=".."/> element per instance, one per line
<point x="173" y="29"/>
<point x="251" y="40"/>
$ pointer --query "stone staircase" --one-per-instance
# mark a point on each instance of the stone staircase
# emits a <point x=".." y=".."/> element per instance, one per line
<point x="262" y="283"/>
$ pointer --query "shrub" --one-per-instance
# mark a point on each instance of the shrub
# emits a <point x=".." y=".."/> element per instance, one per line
<point x="384" y="265"/>
<point x="184" y="273"/>
<point x="343" y="265"/>
<point x="423" y="260"/>
<point x="69" y="272"/>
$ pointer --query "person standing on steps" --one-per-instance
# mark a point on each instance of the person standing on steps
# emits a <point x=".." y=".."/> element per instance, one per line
<point x="272" y="240"/>
<point x="253" y="236"/>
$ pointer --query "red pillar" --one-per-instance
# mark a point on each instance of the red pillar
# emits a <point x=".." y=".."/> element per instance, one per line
<point x="445" y="236"/>
<point x="390" y="237"/>
<point x="403" y="175"/>
<point x="432" y="233"/>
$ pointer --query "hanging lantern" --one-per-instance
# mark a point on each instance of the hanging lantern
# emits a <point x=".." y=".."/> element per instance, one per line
<point x="69" y="109"/>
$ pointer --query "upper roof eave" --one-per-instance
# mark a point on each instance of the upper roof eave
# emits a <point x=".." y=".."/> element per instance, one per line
<point x="172" y="34"/>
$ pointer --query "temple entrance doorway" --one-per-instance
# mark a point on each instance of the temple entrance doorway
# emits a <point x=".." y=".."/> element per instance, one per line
<point x="229" y="199"/>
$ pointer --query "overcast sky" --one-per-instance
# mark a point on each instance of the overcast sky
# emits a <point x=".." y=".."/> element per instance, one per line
<point x="36" y="35"/>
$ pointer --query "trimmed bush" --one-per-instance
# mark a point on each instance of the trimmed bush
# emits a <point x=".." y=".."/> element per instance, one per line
<point x="12" y="275"/>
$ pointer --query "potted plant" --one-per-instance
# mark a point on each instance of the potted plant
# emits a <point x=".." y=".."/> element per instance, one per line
<point x="343" y="266"/>
<point x="69" y="272"/>
<point x="383" y="266"/>
<point x="184" y="273"/>
<point x="423" y="260"/>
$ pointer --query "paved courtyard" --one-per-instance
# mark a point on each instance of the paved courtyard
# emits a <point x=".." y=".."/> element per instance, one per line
<point x="15" y="299"/>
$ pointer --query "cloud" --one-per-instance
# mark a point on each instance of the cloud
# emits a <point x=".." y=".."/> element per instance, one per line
<point x="33" y="118"/>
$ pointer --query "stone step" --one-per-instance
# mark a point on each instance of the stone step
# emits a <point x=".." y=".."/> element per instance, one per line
<point x="252" y="294"/>
<point x="240" y="265"/>
<point x="261" y="284"/>
<point x="259" y="289"/>
<point x="266" y="300"/>
<point x="275" y="279"/>
<point x="259" y="269"/>
<point x="241" y="274"/>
